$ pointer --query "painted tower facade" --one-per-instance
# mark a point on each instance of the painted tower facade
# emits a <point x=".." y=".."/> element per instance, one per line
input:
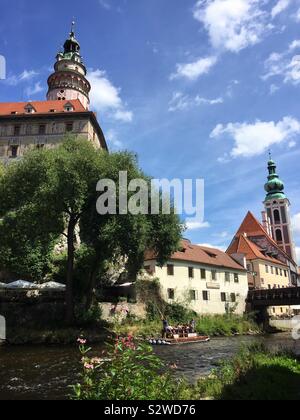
<point x="68" y="82"/>
<point x="276" y="217"/>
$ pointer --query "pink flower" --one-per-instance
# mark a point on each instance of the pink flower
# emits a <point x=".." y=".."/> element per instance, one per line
<point x="88" y="366"/>
<point x="96" y="361"/>
<point x="81" y="341"/>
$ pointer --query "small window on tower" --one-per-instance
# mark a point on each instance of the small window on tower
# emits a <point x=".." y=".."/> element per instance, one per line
<point x="276" y="216"/>
<point x="278" y="235"/>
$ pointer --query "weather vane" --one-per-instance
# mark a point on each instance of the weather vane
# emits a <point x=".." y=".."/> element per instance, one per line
<point x="270" y="154"/>
<point x="73" y="25"/>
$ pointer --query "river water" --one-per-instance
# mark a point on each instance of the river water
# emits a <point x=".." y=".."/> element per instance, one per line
<point x="40" y="372"/>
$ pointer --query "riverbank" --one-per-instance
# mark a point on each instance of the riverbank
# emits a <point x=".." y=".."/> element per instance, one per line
<point x="213" y="326"/>
<point x="254" y="374"/>
<point x="100" y="332"/>
<point x="58" y="336"/>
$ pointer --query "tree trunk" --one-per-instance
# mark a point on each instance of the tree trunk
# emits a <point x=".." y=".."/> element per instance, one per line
<point x="90" y="294"/>
<point x="70" y="272"/>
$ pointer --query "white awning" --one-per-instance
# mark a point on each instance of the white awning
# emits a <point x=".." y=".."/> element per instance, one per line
<point x="21" y="284"/>
<point x="52" y="285"/>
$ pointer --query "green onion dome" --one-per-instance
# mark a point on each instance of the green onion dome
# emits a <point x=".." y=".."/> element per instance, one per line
<point x="274" y="187"/>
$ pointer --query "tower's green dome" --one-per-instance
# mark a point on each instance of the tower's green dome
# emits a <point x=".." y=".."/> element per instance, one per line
<point x="274" y="187"/>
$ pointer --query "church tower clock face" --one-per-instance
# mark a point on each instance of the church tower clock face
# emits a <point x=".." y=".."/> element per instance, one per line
<point x="69" y="82"/>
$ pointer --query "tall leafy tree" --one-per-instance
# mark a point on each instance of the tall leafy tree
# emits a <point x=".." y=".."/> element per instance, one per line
<point x="52" y="192"/>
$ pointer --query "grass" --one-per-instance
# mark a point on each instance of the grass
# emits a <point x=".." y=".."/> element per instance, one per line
<point x="213" y="326"/>
<point x="254" y="374"/>
<point x="226" y="325"/>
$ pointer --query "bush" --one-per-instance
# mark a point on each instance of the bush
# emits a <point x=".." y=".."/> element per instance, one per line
<point x="254" y="374"/>
<point x="130" y="371"/>
<point x="88" y="317"/>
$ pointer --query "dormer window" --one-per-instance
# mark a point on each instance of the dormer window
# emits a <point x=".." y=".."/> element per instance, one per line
<point x="69" y="107"/>
<point x="29" y="109"/>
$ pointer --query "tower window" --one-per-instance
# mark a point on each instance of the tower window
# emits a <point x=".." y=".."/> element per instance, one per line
<point x="276" y="216"/>
<point x="278" y="235"/>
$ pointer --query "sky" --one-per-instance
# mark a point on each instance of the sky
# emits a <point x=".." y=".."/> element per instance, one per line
<point x="198" y="89"/>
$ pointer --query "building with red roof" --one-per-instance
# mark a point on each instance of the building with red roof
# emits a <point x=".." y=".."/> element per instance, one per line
<point x="206" y="279"/>
<point x="43" y="124"/>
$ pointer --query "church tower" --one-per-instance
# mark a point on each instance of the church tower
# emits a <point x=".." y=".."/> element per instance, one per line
<point x="276" y="218"/>
<point x="68" y="82"/>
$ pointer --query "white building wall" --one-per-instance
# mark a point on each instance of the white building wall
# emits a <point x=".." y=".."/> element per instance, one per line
<point x="182" y="284"/>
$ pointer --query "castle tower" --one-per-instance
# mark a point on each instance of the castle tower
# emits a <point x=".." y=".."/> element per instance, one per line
<point x="277" y="212"/>
<point x="68" y="82"/>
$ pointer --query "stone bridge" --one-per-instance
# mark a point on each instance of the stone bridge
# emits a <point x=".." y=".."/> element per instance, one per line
<point x="261" y="300"/>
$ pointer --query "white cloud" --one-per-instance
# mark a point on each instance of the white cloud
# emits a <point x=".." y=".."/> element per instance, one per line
<point x="26" y="75"/>
<point x="112" y="138"/>
<point x="281" y="65"/>
<point x="232" y="24"/>
<point x="297" y="16"/>
<point x="255" y="139"/>
<point x="34" y="90"/>
<point x="122" y="115"/>
<point x="192" y="71"/>
<point x="296" y="223"/>
<point x="294" y="45"/>
<point x="197" y="225"/>
<point x="280" y="7"/>
<point x="105" y="4"/>
<point x="220" y="247"/>
<point x="204" y="101"/>
<point x="105" y="97"/>
<point x="181" y="102"/>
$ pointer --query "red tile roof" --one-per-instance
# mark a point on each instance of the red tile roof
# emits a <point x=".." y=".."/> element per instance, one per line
<point x="202" y="255"/>
<point x="243" y="245"/>
<point x="251" y="226"/>
<point x="40" y="107"/>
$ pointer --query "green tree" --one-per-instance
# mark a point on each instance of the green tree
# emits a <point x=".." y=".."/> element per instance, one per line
<point x="52" y="192"/>
<point x="127" y="236"/>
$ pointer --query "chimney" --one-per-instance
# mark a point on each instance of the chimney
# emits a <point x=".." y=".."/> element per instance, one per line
<point x="266" y="223"/>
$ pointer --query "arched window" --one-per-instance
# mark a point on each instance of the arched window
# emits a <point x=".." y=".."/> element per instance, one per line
<point x="278" y="235"/>
<point x="276" y="216"/>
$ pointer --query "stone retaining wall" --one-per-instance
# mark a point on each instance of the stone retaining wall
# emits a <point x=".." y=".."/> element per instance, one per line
<point x="120" y="311"/>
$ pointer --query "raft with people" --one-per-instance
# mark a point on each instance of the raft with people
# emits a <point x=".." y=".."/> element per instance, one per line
<point x="176" y="340"/>
<point x="180" y="334"/>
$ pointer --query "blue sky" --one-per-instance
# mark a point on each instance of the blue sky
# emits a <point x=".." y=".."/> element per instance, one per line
<point x="198" y="89"/>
